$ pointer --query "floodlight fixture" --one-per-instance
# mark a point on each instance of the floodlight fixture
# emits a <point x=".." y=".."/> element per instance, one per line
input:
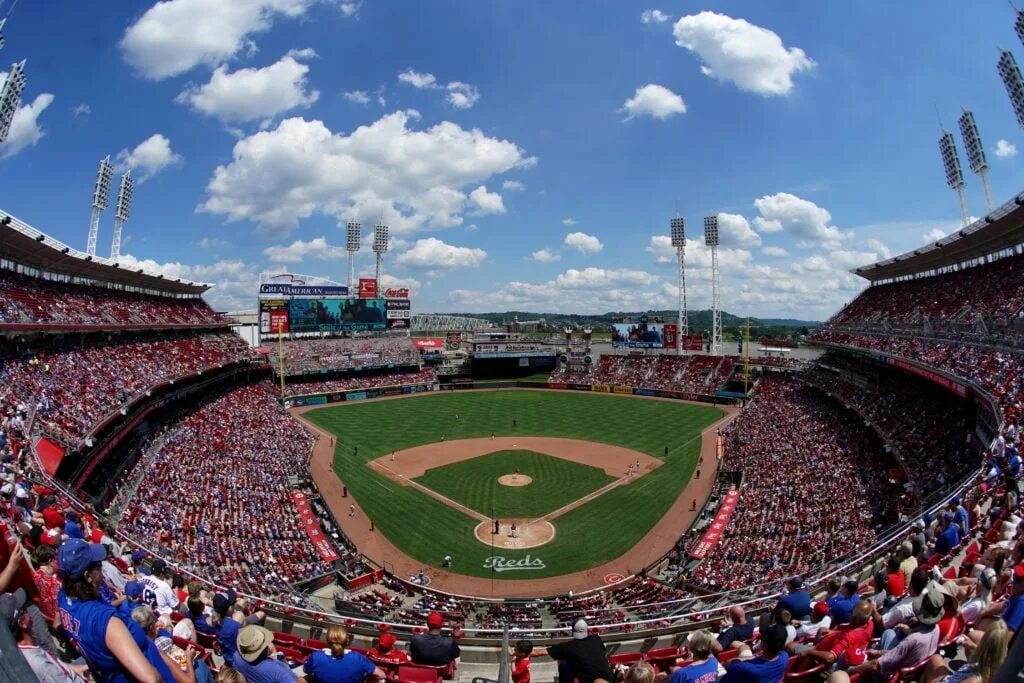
<point x="100" y="200"/>
<point x="122" y="211"/>
<point x="10" y="96"/>
<point x="677" y="233"/>
<point x="954" y="176"/>
<point x="353" y="240"/>
<point x="1009" y="72"/>
<point x="711" y="231"/>
<point x="380" y="247"/>
<point x="1018" y="26"/>
<point x="975" y="152"/>
<point x="677" y="230"/>
<point x="711" y="239"/>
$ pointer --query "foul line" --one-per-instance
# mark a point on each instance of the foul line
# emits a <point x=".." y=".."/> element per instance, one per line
<point x="402" y="479"/>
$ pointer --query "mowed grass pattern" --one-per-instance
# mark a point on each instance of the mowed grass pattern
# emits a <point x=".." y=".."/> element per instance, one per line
<point x="474" y="483"/>
<point x="595" y="533"/>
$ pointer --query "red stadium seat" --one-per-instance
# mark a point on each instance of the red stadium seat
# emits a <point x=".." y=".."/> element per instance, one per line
<point x="626" y="659"/>
<point x="281" y="638"/>
<point x="293" y="655"/>
<point x="908" y="673"/>
<point x="413" y="673"/>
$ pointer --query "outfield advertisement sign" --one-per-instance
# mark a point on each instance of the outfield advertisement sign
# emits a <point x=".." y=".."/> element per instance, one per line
<point x="601" y="388"/>
<point x="290" y="290"/>
<point x="618" y="389"/>
<point x="311" y="523"/>
<point x="715" y="531"/>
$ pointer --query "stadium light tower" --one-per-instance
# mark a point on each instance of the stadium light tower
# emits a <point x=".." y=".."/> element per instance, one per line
<point x="353" y="240"/>
<point x="2" y="41"/>
<point x="10" y="96"/>
<point x="954" y="176"/>
<point x="122" y="211"/>
<point x="100" y="199"/>
<point x="380" y="247"/>
<point x="1019" y="25"/>
<point x="677" y="230"/>
<point x="1014" y="82"/>
<point x="975" y="152"/>
<point x="711" y="240"/>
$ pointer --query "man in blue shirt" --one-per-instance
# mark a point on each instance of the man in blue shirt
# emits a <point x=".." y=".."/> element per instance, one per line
<point x="797" y="600"/>
<point x="770" y="667"/>
<point x="1013" y="612"/>
<point x="948" y="539"/>
<point x="255" y="658"/>
<point x="841" y="611"/>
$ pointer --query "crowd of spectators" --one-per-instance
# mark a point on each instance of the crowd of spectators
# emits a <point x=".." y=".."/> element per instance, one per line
<point x="815" y="487"/>
<point x="367" y="381"/>
<point x="341" y="353"/>
<point x="25" y="300"/>
<point x="226" y="470"/>
<point x="691" y="374"/>
<point x="75" y="388"/>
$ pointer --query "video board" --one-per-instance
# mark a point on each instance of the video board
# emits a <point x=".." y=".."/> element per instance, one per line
<point x="644" y="335"/>
<point x="337" y="315"/>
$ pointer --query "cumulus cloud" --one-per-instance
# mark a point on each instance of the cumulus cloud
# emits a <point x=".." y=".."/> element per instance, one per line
<point x="587" y="244"/>
<point x="734" y="50"/>
<point x="544" y="255"/>
<point x="300" y="250"/>
<point x="149" y="157"/>
<point x="654" y="16"/>
<point x="350" y="7"/>
<point x="734" y="230"/>
<point x="655" y="101"/>
<point x="934" y="235"/>
<point x="458" y="94"/>
<point x="174" y="36"/>
<point x="486" y="202"/>
<point x="881" y="248"/>
<point x="514" y="185"/>
<point x="798" y="217"/>
<point x="413" y="179"/>
<point x="434" y="255"/>
<point x="358" y="96"/>
<point x="774" y="251"/>
<point x="1005" y="149"/>
<point x="568" y="221"/>
<point x="25" y="128"/>
<point x="249" y="94"/>
<point x="233" y="280"/>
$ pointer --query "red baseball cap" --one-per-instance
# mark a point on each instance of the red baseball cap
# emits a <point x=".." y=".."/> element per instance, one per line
<point x="820" y="608"/>
<point x="435" y="620"/>
<point x="387" y="640"/>
<point x="1018" y="572"/>
<point x="384" y="628"/>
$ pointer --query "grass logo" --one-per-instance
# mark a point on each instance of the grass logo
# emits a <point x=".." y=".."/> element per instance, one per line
<point x="500" y="564"/>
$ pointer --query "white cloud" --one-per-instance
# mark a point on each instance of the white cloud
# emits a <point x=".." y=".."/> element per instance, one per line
<point x="413" y="179"/>
<point x="212" y="243"/>
<point x="248" y="94"/>
<point x="358" y="96"/>
<point x="798" y="217"/>
<point x="174" y="36"/>
<point x="544" y="255"/>
<point x="81" y="111"/>
<point x="233" y="280"/>
<point x="933" y="235"/>
<point x="879" y="247"/>
<point x="752" y="57"/>
<point x="417" y="79"/>
<point x="568" y="221"/>
<point x="1005" y="149"/>
<point x="25" y="129"/>
<point x="514" y="185"/>
<point x="587" y="244"/>
<point x="593" y="278"/>
<point x="486" y="202"/>
<point x="299" y="250"/>
<point x="433" y="254"/>
<point x="774" y="251"/>
<point x="150" y="156"/>
<point x="654" y="16"/>
<point x="734" y="230"/>
<point x="846" y="259"/>
<point x="397" y="282"/>
<point x="460" y="95"/>
<point x="655" y="101"/>
<point x="350" y="7"/>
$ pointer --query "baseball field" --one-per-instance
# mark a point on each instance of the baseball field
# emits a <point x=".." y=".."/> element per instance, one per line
<point x="386" y="452"/>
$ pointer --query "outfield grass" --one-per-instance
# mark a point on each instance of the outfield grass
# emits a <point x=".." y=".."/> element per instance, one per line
<point x="592" y="534"/>
<point x="474" y="483"/>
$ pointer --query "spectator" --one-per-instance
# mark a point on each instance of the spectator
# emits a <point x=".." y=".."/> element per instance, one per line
<point x="920" y="641"/>
<point x="341" y="665"/>
<point x="256" y="658"/>
<point x="432" y="647"/>
<point x="796" y="599"/>
<point x="157" y="592"/>
<point x="521" y="661"/>
<point x="386" y="652"/>
<point x="703" y="667"/>
<point x="982" y="665"/>
<point x="841" y="609"/>
<point x="846" y="645"/>
<point x="820" y="620"/>
<point x="582" y="658"/>
<point x="768" y="667"/>
<point x="44" y="665"/>
<point x="735" y="630"/>
<point x="189" y="671"/>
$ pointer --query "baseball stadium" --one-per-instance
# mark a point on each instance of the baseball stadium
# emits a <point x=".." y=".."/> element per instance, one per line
<point x="329" y="482"/>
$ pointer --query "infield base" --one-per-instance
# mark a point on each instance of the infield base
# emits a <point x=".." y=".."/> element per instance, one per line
<point x="528" y="533"/>
<point x="515" y="480"/>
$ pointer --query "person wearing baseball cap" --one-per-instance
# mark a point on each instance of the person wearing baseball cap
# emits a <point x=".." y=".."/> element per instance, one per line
<point x="340" y="665"/>
<point x="768" y="667"/>
<point x="920" y="642"/>
<point x="386" y="652"/>
<point x="432" y="647"/>
<point x="796" y="600"/>
<point x="1013" y="610"/>
<point x="582" y="657"/>
<point x="256" y="658"/>
<point x="819" y="620"/>
<point x="44" y="665"/>
<point x="116" y="649"/>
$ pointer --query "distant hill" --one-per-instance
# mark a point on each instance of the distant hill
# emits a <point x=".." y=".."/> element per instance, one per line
<point x="698" y="320"/>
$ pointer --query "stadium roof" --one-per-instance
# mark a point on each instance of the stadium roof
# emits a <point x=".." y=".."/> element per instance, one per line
<point x="999" y="230"/>
<point x="24" y="244"/>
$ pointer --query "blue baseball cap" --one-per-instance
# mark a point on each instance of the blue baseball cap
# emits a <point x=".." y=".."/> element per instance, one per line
<point x="76" y="556"/>
<point x="133" y="589"/>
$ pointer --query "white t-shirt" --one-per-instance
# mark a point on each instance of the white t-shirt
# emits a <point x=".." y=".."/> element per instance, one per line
<point x="810" y="630"/>
<point x="158" y="594"/>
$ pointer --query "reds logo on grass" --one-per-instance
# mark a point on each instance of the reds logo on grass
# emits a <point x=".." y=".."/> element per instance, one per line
<point x="500" y="564"/>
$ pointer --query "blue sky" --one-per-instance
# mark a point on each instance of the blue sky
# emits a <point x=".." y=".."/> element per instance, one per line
<point x="526" y="155"/>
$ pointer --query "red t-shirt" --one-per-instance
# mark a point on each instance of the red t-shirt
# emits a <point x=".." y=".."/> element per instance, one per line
<point x="52" y="518"/>
<point x="521" y="670"/>
<point x="897" y="584"/>
<point x="392" y="656"/>
<point x="850" y="643"/>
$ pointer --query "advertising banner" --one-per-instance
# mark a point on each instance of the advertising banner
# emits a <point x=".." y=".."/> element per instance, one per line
<point x="930" y="375"/>
<point x="396" y="293"/>
<point x="695" y="342"/>
<point x="355" y="396"/>
<point x="645" y="392"/>
<point x="618" y="389"/>
<point x="641" y="335"/>
<point x="335" y="315"/>
<point x="714" y="532"/>
<point x="367" y="288"/>
<point x="398" y="309"/>
<point x="273" y="310"/>
<point x="670" y="335"/>
<point x="580" y="387"/>
<point x="601" y="388"/>
<point x="289" y="290"/>
<point x="557" y="385"/>
<point x="311" y="524"/>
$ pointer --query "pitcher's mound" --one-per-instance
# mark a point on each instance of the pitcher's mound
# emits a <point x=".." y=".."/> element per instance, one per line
<point x="528" y="534"/>
<point x="514" y="480"/>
